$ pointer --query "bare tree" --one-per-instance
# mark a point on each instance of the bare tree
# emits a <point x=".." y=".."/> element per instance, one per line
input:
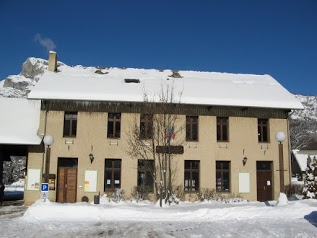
<point x="152" y="141"/>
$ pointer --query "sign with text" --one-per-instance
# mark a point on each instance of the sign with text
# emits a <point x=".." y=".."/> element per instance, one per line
<point x="44" y="191"/>
<point x="173" y="149"/>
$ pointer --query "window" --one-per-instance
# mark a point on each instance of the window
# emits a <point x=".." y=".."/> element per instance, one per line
<point x="145" y="174"/>
<point x="191" y="176"/>
<point x="114" y="125"/>
<point x="112" y="174"/>
<point x="222" y="129"/>
<point x="223" y="176"/>
<point x="146" y="126"/>
<point x="70" y="124"/>
<point x="191" y="128"/>
<point x="263" y="128"/>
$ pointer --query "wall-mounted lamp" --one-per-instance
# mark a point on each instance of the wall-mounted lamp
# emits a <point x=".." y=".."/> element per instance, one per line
<point x="91" y="157"/>
<point x="244" y="161"/>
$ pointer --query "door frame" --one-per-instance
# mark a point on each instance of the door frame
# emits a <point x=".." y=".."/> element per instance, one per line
<point x="66" y="163"/>
<point x="263" y="174"/>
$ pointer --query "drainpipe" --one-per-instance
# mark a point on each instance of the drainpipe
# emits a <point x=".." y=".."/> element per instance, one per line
<point x="290" y="149"/>
<point x="45" y="122"/>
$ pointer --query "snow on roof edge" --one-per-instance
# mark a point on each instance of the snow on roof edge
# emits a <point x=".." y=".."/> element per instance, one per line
<point x="200" y="87"/>
<point x="183" y="103"/>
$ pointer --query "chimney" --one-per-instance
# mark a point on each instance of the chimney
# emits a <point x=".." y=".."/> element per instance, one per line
<point x="52" y="61"/>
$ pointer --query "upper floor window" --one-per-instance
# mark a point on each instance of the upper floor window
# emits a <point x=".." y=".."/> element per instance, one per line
<point x="112" y="174"/>
<point x="191" y="128"/>
<point x="223" y="176"/>
<point x="145" y="175"/>
<point x="222" y="129"/>
<point x="146" y="126"/>
<point x="70" y="124"/>
<point x="114" y="125"/>
<point x="191" y="175"/>
<point x="263" y="130"/>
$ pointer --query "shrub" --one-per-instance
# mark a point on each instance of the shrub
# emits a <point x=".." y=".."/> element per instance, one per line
<point x="293" y="189"/>
<point x="213" y="195"/>
<point x="140" y="193"/>
<point x="116" y="196"/>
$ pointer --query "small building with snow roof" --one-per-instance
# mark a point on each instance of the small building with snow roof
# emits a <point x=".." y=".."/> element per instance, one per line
<point x="299" y="162"/>
<point x="20" y="121"/>
<point x="225" y="141"/>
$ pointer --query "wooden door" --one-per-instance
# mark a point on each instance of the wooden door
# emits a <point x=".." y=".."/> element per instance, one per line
<point x="264" y="181"/>
<point x="66" y="185"/>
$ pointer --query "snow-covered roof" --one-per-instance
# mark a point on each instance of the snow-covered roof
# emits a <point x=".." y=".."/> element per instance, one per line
<point x="19" y="121"/>
<point x="301" y="157"/>
<point x="200" y="88"/>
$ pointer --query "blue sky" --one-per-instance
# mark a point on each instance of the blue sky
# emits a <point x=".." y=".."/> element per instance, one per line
<point x="247" y="36"/>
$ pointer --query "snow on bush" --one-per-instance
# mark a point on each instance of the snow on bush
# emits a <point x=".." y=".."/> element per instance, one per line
<point x="310" y="184"/>
<point x="15" y="186"/>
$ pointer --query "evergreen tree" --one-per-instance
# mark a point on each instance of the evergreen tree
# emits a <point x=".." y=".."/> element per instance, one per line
<point x="310" y="185"/>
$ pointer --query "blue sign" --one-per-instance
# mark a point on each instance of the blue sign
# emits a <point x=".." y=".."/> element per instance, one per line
<point x="44" y="187"/>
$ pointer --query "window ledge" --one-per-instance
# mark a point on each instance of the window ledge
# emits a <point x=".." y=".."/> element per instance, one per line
<point x="192" y="144"/>
<point x="68" y="141"/>
<point x="113" y="142"/>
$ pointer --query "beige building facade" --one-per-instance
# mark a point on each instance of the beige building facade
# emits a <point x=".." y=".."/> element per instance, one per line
<point x="243" y="154"/>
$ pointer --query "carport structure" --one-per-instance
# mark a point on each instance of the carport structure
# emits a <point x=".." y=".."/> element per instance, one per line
<point x="19" y="123"/>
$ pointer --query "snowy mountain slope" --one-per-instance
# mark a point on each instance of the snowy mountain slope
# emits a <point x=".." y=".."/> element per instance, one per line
<point x="310" y="108"/>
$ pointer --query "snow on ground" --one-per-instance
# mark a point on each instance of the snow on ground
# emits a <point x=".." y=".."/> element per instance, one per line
<point x="131" y="219"/>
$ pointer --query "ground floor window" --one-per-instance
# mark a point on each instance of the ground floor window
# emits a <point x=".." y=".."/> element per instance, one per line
<point x="145" y="175"/>
<point x="191" y="175"/>
<point x="112" y="174"/>
<point x="223" y="176"/>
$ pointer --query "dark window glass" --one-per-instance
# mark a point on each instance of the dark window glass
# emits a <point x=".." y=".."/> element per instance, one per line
<point x="191" y="175"/>
<point x="263" y="165"/>
<point x="263" y="130"/>
<point x="68" y="162"/>
<point x="222" y="129"/>
<point x="145" y="175"/>
<point x="223" y="176"/>
<point x="70" y="124"/>
<point x="112" y="174"/>
<point x="114" y="125"/>
<point x="191" y="128"/>
<point x="146" y="126"/>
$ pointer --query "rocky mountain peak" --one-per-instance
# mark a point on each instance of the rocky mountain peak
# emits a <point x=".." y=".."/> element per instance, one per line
<point x="33" y="68"/>
<point x="16" y="86"/>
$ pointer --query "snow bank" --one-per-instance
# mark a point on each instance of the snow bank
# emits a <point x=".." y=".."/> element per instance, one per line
<point x="282" y="200"/>
<point x="184" y="212"/>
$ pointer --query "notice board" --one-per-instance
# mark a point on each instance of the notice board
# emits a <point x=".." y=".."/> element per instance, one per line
<point x="33" y="179"/>
<point x="244" y="182"/>
<point x="90" y="181"/>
